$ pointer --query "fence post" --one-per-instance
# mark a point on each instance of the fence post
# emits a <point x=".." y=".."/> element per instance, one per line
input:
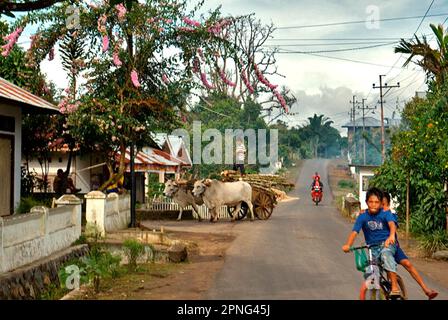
<point x="43" y="226"/>
<point x="1" y="245"/>
<point x="95" y="213"/>
<point x="76" y="216"/>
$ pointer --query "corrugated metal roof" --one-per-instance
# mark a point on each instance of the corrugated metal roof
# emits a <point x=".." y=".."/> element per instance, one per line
<point x="368" y="122"/>
<point x="12" y="92"/>
<point x="152" y="156"/>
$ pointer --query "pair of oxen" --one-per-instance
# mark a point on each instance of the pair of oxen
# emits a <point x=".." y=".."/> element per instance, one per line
<point x="212" y="193"/>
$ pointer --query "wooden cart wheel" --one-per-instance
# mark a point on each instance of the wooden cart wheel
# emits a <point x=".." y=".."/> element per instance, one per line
<point x="263" y="206"/>
<point x="241" y="214"/>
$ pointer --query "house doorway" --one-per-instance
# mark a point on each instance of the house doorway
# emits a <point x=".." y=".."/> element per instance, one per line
<point x="6" y="172"/>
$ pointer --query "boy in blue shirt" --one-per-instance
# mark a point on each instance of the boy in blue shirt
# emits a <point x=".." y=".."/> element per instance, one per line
<point x="378" y="227"/>
<point x="401" y="258"/>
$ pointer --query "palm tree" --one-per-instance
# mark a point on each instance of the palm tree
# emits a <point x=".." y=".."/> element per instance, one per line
<point x="433" y="61"/>
<point x="317" y="129"/>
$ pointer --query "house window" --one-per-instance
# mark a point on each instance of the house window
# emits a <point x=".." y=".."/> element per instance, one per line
<point x="7" y="124"/>
<point x="365" y="182"/>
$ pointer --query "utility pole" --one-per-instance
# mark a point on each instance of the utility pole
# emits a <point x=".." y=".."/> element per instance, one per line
<point x="381" y="87"/>
<point x="364" y="108"/>
<point x="353" y="118"/>
<point x="133" y="188"/>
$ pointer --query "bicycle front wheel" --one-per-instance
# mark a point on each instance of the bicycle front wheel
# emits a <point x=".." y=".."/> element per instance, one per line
<point x="370" y="294"/>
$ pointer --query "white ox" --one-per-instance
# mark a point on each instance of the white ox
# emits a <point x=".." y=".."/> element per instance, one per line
<point x="182" y="197"/>
<point x="216" y="193"/>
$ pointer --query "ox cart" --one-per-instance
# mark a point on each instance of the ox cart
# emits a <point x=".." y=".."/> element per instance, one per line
<point x="266" y="190"/>
<point x="264" y="197"/>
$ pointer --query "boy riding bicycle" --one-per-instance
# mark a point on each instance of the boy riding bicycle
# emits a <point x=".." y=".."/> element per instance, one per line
<point x="378" y="227"/>
<point x="401" y="258"/>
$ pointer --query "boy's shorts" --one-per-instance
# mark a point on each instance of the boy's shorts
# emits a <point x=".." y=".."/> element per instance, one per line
<point x="400" y="255"/>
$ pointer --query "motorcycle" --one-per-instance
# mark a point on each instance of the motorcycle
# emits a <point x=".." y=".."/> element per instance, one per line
<point x="316" y="194"/>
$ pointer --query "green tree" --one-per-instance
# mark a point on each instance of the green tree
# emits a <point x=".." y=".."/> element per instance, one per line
<point x="433" y="61"/>
<point x="320" y="135"/>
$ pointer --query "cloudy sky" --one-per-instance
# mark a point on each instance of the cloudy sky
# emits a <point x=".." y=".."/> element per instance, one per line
<point x="325" y="85"/>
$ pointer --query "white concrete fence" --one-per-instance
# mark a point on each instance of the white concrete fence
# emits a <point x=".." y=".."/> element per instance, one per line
<point x="25" y="238"/>
<point x="107" y="213"/>
<point x="167" y="204"/>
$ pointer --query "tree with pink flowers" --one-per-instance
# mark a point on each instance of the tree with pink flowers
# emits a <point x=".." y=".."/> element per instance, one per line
<point x="139" y="64"/>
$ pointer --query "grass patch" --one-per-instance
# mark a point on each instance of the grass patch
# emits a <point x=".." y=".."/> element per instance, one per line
<point x="134" y="285"/>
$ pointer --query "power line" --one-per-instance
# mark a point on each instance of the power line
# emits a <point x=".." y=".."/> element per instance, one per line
<point x="340" y="50"/>
<point x="338" y="39"/>
<point x="364" y="21"/>
<point x="416" y="30"/>
<point x="321" y="44"/>
<point x="425" y="16"/>
<point x="345" y="59"/>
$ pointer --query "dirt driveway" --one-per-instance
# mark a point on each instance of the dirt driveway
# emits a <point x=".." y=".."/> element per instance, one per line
<point x="190" y="281"/>
<point x="207" y="245"/>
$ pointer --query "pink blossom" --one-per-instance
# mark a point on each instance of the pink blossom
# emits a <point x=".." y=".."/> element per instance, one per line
<point x="34" y="39"/>
<point x="262" y="79"/>
<point x="121" y="11"/>
<point x="191" y="22"/>
<point x="218" y="27"/>
<point x="226" y="81"/>
<point x="246" y="82"/>
<point x="205" y="81"/>
<point x="281" y="99"/>
<point x="114" y="138"/>
<point x="201" y="54"/>
<point x="168" y="20"/>
<point x="117" y="61"/>
<point x="134" y="78"/>
<point x="12" y="39"/>
<point x="196" y="65"/>
<point x="165" y="78"/>
<point x="105" y="43"/>
<point x="51" y="54"/>
<point x="102" y="24"/>
<point x="186" y="29"/>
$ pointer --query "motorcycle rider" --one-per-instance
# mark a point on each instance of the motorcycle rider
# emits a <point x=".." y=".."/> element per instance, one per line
<point x="317" y="183"/>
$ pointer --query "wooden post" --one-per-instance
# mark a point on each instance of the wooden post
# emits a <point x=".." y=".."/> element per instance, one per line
<point x="445" y="188"/>
<point x="407" y="207"/>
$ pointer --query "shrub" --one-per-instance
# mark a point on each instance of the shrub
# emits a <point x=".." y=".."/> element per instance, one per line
<point x="133" y="250"/>
<point x="27" y="203"/>
<point x="346" y="184"/>
<point x="97" y="265"/>
<point x="434" y="241"/>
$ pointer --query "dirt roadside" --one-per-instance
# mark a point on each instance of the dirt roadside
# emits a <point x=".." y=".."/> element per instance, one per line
<point x="169" y="281"/>
<point x="434" y="269"/>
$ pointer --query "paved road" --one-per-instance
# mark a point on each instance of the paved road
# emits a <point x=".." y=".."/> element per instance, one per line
<point x="296" y="254"/>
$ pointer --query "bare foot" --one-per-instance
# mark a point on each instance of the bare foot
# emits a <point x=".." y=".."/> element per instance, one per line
<point x="431" y="294"/>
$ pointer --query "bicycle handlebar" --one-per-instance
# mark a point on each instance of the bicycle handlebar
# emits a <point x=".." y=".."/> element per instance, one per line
<point x="368" y="246"/>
